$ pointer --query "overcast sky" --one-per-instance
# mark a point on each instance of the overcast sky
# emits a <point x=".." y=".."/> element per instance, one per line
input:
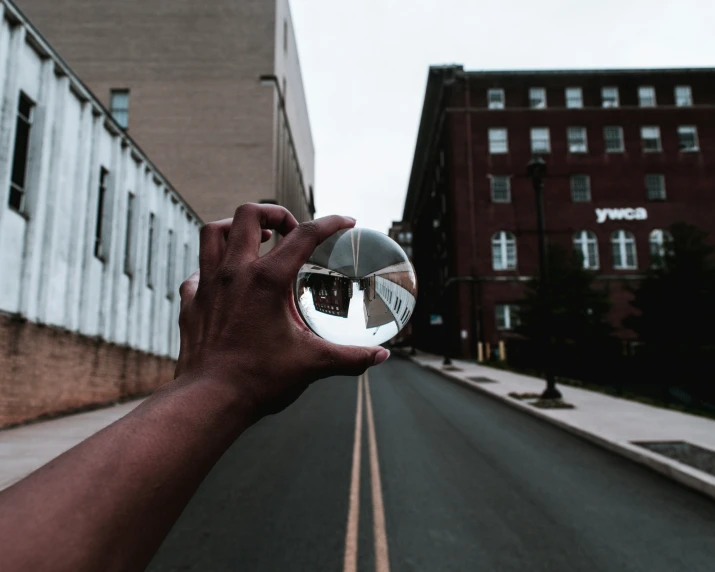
<point x="365" y="70"/>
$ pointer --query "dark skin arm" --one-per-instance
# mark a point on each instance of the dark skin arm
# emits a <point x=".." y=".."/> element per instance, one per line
<point x="108" y="503"/>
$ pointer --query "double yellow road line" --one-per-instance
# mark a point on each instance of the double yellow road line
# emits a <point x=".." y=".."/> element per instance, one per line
<point x="382" y="560"/>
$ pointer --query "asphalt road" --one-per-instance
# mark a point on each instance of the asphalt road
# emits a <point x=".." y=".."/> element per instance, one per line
<point x="467" y="484"/>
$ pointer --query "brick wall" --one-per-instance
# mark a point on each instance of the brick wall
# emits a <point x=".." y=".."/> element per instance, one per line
<point x="45" y="370"/>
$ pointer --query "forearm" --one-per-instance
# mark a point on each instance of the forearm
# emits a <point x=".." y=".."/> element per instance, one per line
<point x="108" y="503"/>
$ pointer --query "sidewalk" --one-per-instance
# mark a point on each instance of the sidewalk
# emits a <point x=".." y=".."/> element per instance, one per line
<point x="27" y="448"/>
<point x="608" y="421"/>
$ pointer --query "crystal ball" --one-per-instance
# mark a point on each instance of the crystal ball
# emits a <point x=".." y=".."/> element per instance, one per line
<point x="358" y="288"/>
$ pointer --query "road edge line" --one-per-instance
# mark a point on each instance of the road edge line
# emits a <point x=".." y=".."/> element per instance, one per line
<point x="692" y="478"/>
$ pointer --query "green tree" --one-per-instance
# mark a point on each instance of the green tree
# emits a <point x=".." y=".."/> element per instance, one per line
<point x="675" y="304"/>
<point x="580" y="331"/>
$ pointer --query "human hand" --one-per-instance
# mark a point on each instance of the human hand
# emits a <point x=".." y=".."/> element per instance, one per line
<point x="239" y="324"/>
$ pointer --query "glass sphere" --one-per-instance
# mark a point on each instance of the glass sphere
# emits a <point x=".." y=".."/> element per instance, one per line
<point x="358" y="288"/>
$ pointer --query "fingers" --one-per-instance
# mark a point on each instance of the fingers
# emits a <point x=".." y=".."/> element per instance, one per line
<point x="247" y="228"/>
<point x="213" y="245"/>
<point x="297" y="246"/>
<point x="350" y="360"/>
<point x="188" y="287"/>
<point x="266" y="235"/>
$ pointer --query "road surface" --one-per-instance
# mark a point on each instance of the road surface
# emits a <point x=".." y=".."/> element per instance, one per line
<point x="451" y="480"/>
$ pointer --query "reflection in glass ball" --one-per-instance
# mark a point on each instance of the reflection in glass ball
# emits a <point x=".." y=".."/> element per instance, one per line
<point x="358" y="288"/>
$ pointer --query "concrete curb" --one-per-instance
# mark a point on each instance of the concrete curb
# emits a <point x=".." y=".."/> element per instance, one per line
<point x="692" y="478"/>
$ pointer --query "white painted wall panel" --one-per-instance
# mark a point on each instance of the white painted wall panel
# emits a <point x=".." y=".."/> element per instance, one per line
<point x="49" y="272"/>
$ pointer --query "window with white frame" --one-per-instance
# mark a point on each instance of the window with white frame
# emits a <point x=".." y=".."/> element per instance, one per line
<point x="574" y="98"/>
<point x="21" y="153"/>
<point x="581" y="188"/>
<point x="537" y="98"/>
<point x="646" y="96"/>
<point x="119" y="106"/>
<point x="659" y="239"/>
<point x="507" y="316"/>
<point x="683" y="96"/>
<point x="186" y="268"/>
<point x="688" y="138"/>
<point x="655" y="187"/>
<point x="540" y="140"/>
<point x="650" y="139"/>
<point x="129" y="236"/>
<point x="623" y="244"/>
<point x="150" y="256"/>
<point x="609" y="97"/>
<point x="501" y="189"/>
<point x="504" y="251"/>
<point x="170" y="265"/>
<point x="498" y="140"/>
<point x="577" y="139"/>
<point x="586" y="244"/>
<point x="613" y="136"/>
<point x="495" y="97"/>
<point x="99" y="226"/>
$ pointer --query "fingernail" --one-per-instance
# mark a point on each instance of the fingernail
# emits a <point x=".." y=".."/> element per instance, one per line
<point x="351" y="218"/>
<point x="381" y="356"/>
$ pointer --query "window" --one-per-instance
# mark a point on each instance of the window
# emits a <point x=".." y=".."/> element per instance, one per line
<point x="119" y="106"/>
<point x="650" y="139"/>
<point x="586" y="244"/>
<point x="18" y="179"/>
<point x="574" y="98"/>
<point x="98" y="229"/>
<point x="129" y="234"/>
<point x="624" y="250"/>
<point x="581" y="188"/>
<point x="501" y="189"/>
<point x="646" y="96"/>
<point x="578" y="140"/>
<point x="498" y="141"/>
<point x="609" y="97"/>
<point x="655" y="187"/>
<point x="537" y="98"/>
<point x="150" y="252"/>
<point x="683" y="96"/>
<point x="540" y="140"/>
<point x="187" y="262"/>
<point x="495" y="97"/>
<point x="170" y="265"/>
<point x="613" y="137"/>
<point x="504" y="251"/>
<point x="688" y="138"/>
<point x="659" y="240"/>
<point x="507" y="316"/>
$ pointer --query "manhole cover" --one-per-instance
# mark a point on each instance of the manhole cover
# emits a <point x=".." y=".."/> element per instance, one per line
<point x="479" y="379"/>
<point x="684" y="452"/>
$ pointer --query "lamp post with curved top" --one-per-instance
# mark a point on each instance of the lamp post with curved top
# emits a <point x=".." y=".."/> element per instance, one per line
<point x="536" y="171"/>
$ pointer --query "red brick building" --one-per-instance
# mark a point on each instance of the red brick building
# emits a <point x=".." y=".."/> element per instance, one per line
<point x="628" y="152"/>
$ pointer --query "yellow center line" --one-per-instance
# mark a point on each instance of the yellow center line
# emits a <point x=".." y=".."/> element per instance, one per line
<point x="351" y="537"/>
<point x="382" y="559"/>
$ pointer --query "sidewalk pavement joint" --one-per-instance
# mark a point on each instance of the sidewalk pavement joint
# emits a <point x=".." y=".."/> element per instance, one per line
<point x="604" y="420"/>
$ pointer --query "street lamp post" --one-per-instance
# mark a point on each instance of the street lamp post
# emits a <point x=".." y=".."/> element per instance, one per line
<point x="537" y="171"/>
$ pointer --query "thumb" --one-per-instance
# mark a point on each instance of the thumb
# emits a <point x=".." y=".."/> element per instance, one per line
<point x="352" y="360"/>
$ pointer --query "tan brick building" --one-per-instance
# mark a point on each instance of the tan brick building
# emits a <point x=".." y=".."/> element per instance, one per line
<point x="212" y="91"/>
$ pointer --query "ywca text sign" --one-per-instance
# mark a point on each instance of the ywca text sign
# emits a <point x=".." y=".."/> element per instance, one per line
<point x="602" y="215"/>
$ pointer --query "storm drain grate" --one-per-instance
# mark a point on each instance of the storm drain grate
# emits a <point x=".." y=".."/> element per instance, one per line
<point x="684" y="452"/>
<point x="480" y="379"/>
